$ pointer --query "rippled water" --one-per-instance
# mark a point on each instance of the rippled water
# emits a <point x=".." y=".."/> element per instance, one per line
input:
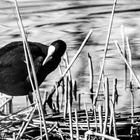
<point x="70" y="20"/>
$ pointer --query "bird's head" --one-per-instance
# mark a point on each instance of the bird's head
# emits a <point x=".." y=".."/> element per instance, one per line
<point x="55" y="50"/>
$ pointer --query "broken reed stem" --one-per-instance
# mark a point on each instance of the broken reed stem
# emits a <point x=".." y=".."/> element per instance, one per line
<point x="125" y="55"/>
<point x="63" y="88"/>
<point x="66" y="96"/>
<point x="100" y="112"/>
<point x="87" y="118"/>
<point x="131" y="89"/>
<point x="69" y="73"/>
<point x="132" y="110"/>
<point x="128" y="65"/>
<point x="76" y="122"/>
<point x="14" y="136"/>
<point x="67" y="63"/>
<point x="49" y="131"/>
<point x="10" y="106"/>
<point x="63" y="93"/>
<point x="72" y="61"/>
<point x="70" y="119"/>
<point x="57" y="99"/>
<point x="91" y="76"/>
<point x="105" y="52"/>
<point x="129" y="58"/>
<point x="103" y="81"/>
<point x="106" y="105"/>
<point x="62" y="96"/>
<point x="78" y="52"/>
<point x="5" y="102"/>
<point x="16" y="113"/>
<point x="75" y="90"/>
<point x="70" y="109"/>
<point x="99" y="135"/>
<point x="132" y="106"/>
<point x="53" y="127"/>
<point x="61" y="135"/>
<point x="28" y="55"/>
<point x="70" y="93"/>
<point x="41" y="132"/>
<point x="25" y="124"/>
<point x="112" y="115"/>
<point x="79" y="101"/>
<point x="95" y="118"/>
<point x="113" y="111"/>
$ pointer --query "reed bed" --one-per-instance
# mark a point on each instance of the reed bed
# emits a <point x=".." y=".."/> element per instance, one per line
<point x="66" y="122"/>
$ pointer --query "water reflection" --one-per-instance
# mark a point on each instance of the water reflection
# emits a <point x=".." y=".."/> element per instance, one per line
<point x="46" y="21"/>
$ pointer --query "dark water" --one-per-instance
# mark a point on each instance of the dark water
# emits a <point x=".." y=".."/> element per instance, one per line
<point x="70" y="20"/>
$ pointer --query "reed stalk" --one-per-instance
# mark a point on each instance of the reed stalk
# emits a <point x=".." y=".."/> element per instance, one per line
<point x="70" y="78"/>
<point x="112" y="116"/>
<point x="125" y="55"/>
<point x="103" y="81"/>
<point x="60" y="133"/>
<point x="14" y="137"/>
<point x="63" y="93"/>
<point x="70" y="92"/>
<point x="57" y="99"/>
<point x="79" y="101"/>
<point x="128" y="65"/>
<point x="25" y="42"/>
<point x="132" y="97"/>
<point x="129" y="59"/>
<point x="91" y="76"/>
<point x="78" y="52"/>
<point x="106" y="106"/>
<point x="71" y="63"/>
<point x="95" y="117"/>
<point x="63" y="88"/>
<point x="76" y="121"/>
<point x="28" y="58"/>
<point x="53" y="127"/>
<point x="70" y="119"/>
<point x="49" y="131"/>
<point x="132" y="110"/>
<point x="66" y="97"/>
<point x="11" y="115"/>
<point x="87" y="117"/>
<point x="5" y="102"/>
<point x="10" y="106"/>
<point x="75" y="90"/>
<point x="67" y="63"/>
<point x="25" y="124"/>
<point x="100" y="110"/>
<point x="105" y="52"/>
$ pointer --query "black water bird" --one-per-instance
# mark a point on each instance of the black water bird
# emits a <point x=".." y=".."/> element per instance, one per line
<point x="14" y="80"/>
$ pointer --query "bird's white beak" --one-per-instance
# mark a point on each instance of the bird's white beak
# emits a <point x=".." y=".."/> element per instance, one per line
<point x="51" y="50"/>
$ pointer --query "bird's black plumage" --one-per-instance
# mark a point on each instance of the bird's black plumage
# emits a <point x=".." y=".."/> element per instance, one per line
<point x="14" y="79"/>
